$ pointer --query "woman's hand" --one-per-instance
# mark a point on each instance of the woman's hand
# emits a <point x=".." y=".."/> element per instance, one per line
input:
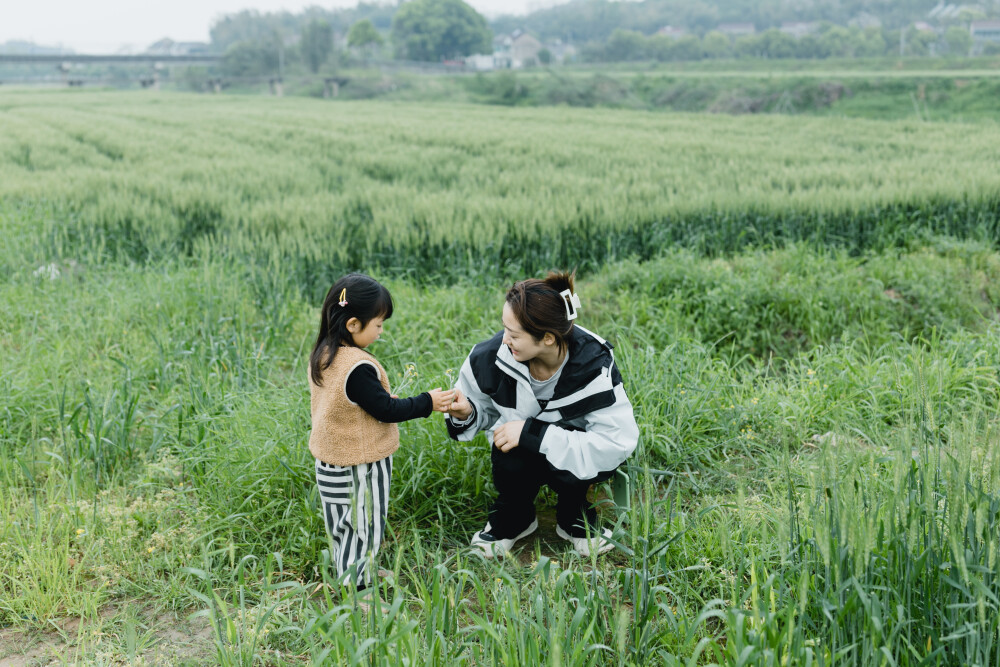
<point x="461" y="409"/>
<point x="508" y="436"/>
<point x="442" y="400"/>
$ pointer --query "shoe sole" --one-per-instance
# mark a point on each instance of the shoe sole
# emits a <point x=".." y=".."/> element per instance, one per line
<point x="566" y="536"/>
<point x="489" y="548"/>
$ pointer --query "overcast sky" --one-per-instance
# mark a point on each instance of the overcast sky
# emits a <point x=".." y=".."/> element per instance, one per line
<point x="106" y="26"/>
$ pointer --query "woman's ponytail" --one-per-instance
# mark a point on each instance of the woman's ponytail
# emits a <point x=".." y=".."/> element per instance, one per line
<point x="561" y="281"/>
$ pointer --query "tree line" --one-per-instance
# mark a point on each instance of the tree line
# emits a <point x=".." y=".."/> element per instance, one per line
<point x="583" y="21"/>
<point x="828" y="41"/>
<point x="255" y="44"/>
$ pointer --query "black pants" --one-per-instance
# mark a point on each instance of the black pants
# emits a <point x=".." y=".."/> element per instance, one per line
<point x="518" y="476"/>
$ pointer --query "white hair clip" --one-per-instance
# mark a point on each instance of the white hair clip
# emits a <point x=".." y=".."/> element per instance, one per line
<point x="572" y="302"/>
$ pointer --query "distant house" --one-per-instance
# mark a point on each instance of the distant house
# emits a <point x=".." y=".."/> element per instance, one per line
<point x="737" y="29"/>
<point x="672" y="32"/>
<point x="516" y="50"/>
<point x="524" y="51"/>
<point x="501" y="51"/>
<point x="799" y="29"/>
<point x="923" y="26"/>
<point x="985" y="31"/>
<point x="168" y="47"/>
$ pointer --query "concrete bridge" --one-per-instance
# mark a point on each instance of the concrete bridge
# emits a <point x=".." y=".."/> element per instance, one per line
<point x="77" y="58"/>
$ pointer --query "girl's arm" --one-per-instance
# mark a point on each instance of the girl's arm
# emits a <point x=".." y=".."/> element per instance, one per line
<point x="364" y="388"/>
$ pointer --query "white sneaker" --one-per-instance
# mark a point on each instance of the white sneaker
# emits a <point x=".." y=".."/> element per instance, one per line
<point x="493" y="546"/>
<point x="583" y="546"/>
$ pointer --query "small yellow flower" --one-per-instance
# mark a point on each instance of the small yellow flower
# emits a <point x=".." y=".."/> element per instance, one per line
<point x="149" y="550"/>
<point x="683" y="392"/>
<point x="810" y="372"/>
<point x="826" y="386"/>
<point x="754" y="400"/>
<point x="80" y="531"/>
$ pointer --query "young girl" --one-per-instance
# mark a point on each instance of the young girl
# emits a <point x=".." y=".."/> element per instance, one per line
<point x="354" y="432"/>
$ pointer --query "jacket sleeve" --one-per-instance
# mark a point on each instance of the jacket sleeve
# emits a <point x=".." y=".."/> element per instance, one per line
<point x="484" y="413"/>
<point x="609" y="437"/>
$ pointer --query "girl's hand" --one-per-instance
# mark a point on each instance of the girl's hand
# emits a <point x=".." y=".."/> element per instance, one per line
<point x="442" y="400"/>
<point x="508" y="436"/>
<point x="461" y="409"/>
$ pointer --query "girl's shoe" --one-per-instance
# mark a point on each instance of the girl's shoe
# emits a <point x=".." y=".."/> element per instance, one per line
<point x="583" y="546"/>
<point x="494" y="546"/>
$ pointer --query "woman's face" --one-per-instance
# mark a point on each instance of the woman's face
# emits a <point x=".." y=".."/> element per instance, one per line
<point x="522" y="345"/>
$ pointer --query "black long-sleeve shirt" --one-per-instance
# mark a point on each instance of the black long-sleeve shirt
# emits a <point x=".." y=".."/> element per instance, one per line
<point x="364" y="388"/>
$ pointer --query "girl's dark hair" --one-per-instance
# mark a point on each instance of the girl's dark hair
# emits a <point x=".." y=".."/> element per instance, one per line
<point x="540" y="308"/>
<point x="365" y="299"/>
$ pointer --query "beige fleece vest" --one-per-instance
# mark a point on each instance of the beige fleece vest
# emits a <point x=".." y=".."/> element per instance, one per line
<point x="343" y="433"/>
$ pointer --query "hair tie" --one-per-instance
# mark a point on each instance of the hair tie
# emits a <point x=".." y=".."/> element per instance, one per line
<point x="572" y="302"/>
<point x="343" y="297"/>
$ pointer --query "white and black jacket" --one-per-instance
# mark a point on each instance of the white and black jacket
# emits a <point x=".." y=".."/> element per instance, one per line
<point x="586" y="429"/>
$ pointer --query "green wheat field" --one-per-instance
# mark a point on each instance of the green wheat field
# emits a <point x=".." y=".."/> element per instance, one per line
<point x="806" y="312"/>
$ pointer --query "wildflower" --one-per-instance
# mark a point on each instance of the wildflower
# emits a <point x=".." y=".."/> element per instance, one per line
<point x="683" y="392"/>
<point x="810" y="372"/>
<point x="149" y="550"/>
<point x="754" y="400"/>
<point x="80" y="531"/>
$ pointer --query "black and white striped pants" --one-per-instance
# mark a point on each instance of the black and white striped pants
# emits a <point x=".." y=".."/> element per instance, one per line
<point x="354" y="500"/>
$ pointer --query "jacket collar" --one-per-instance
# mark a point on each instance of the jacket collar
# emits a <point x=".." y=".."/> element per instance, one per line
<point x="588" y="355"/>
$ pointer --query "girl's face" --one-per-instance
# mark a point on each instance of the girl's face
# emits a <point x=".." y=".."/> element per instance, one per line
<point x="365" y="336"/>
<point x="521" y="344"/>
